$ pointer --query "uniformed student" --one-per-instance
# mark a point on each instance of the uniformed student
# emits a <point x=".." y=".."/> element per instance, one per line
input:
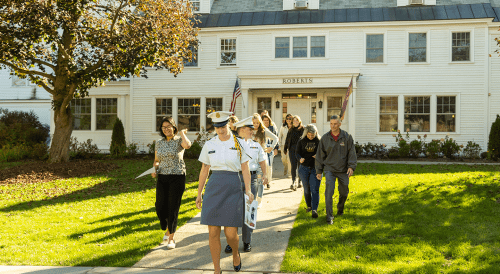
<point x="256" y="152"/>
<point x="223" y="202"/>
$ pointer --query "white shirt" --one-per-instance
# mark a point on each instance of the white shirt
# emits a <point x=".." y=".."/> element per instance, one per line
<point x="256" y="152"/>
<point x="223" y="156"/>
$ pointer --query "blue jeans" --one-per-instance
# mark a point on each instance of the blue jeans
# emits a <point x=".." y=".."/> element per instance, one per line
<point x="293" y="160"/>
<point x="343" y="187"/>
<point x="311" y="186"/>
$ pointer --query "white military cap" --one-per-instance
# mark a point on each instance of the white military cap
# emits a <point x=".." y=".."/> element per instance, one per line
<point x="247" y="122"/>
<point x="220" y="118"/>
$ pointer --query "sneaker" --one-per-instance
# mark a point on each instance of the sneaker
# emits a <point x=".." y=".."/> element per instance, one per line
<point x="300" y="184"/>
<point x="314" y="214"/>
<point x="292" y="185"/>
<point x="308" y="209"/>
<point x="268" y="185"/>
<point x="329" y="221"/>
<point x="171" y="246"/>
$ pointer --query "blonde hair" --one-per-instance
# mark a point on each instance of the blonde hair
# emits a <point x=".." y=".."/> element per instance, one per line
<point x="233" y="119"/>
<point x="261" y="134"/>
<point x="310" y="129"/>
<point x="298" y="119"/>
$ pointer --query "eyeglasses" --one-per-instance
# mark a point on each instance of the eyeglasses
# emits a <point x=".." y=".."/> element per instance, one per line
<point x="289" y="118"/>
<point x="164" y="128"/>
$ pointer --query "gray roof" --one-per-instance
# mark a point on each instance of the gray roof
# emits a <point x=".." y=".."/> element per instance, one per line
<point x="235" y="6"/>
<point x="448" y="12"/>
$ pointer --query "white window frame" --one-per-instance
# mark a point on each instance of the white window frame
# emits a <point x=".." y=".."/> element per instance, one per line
<point x="471" y="53"/>
<point x="197" y="60"/>
<point x="384" y="62"/>
<point x="155" y="129"/>
<point x="199" y="5"/>
<point x="428" y="48"/>
<point x="94" y="109"/>
<point x="204" y="108"/>
<point x="91" y="110"/>
<point x="219" y="39"/>
<point x="290" y="49"/>
<point x="433" y="113"/>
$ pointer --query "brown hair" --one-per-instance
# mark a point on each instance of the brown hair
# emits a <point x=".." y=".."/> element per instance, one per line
<point x="298" y="119"/>
<point x="271" y="123"/>
<point x="260" y="136"/>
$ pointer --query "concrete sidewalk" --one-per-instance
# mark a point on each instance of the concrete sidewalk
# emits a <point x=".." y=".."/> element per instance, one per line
<point x="192" y="254"/>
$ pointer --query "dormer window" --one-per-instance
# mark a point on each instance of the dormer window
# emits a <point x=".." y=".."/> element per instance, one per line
<point x="300" y="4"/>
<point x="195" y="5"/>
<point x="402" y="3"/>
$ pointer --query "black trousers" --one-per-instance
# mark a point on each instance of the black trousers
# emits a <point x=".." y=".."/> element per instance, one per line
<point x="169" y="190"/>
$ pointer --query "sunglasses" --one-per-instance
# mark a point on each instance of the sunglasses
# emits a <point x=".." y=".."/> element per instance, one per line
<point x="289" y="118"/>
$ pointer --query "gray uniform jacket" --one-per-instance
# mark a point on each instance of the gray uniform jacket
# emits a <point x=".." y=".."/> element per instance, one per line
<point x="336" y="156"/>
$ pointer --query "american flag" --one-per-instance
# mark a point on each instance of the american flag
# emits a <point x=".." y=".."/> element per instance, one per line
<point x="236" y="94"/>
<point x="344" y="105"/>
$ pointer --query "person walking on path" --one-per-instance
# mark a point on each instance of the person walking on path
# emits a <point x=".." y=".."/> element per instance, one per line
<point x="292" y="139"/>
<point x="171" y="182"/>
<point x="223" y="202"/>
<point x="287" y="125"/>
<point x="261" y="135"/>
<point x="336" y="156"/>
<point x="255" y="151"/>
<point x="269" y="124"/>
<point x="306" y="152"/>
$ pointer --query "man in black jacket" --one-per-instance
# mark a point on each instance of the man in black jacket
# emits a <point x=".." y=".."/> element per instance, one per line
<point x="336" y="156"/>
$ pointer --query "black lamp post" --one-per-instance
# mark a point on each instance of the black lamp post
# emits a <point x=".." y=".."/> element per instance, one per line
<point x="277" y="104"/>
<point x="320" y="104"/>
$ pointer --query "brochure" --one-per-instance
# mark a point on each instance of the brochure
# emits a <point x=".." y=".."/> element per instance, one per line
<point x="251" y="213"/>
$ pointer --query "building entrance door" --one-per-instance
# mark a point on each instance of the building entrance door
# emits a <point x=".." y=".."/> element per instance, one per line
<point x="300" y="107"/>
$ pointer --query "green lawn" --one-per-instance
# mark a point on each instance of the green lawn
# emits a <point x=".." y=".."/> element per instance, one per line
<point x="405" y="219"/>
<point x="102" y="220"/>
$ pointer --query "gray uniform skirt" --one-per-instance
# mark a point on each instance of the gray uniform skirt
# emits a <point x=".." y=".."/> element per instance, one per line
<point x="223" y="200"/>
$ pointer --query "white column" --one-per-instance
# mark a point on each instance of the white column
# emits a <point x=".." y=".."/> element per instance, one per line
<point x="351" y="113"/>
<point x="123" y="115"/>
<point x="245" y="104"/>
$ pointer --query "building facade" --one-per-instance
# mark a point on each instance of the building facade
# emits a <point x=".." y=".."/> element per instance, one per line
<point x="423" y="66"/>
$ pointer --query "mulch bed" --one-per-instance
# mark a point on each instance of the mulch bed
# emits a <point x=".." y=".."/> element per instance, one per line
<point x="37" y="172"/>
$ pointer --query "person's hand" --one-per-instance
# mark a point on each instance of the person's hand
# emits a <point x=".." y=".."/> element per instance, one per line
<point x="275" y="152"/>
<point x="350" y="172"/>
<point x="183" y="131"/>
<point x="265" y="181"/>
<point x="314" y="156"/>
<point x="284" y="152"/>
<point x="268" y="149"/>
<point x="198" y="201"/>
<point x="153" y="174"/>
<point x="250" y="196"/>
<point x="318" y="176"/>
<point x="302" y="160"/>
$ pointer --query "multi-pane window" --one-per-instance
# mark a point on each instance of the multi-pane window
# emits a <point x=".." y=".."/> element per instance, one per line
<point x="194" y="59"/>
<point x="81" y="110"/>
<point x="375" y="48"/>
<point x="460" y="48"/>
<point x="284" y="110"/>
<point x="282" y="47"/>
<point x="195" y="5"/>
<point x="417" y="51"/>
<point x="188" y="115"/>
<point x="163" y="108"/>
<point x="300" y="47"/>
<point x="299" y="95"/>
<point x="264" y="103"/>
<point x="317" y="46"/>
<point x="106" y="113"/>
<point x="313" y="112"/>
<point x="213" y="104"/>
<point x="228" y="52"/>
<point x="19" y="82"/>
<point x="446" y="113"/>
<point x="388" y="114"/>
<point x="417" y="113"/>
<point x="333" y="106"/>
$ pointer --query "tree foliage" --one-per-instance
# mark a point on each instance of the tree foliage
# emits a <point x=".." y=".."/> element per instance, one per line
<point x="494" y="140"/>
<point x="118" y="145"/>
<point x="68" y="47"/>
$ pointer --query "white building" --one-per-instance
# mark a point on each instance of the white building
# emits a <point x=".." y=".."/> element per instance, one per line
<point x="420" y="65"/>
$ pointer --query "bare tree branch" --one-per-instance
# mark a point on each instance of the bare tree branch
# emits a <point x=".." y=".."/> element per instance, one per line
<point x="29" y="72"/>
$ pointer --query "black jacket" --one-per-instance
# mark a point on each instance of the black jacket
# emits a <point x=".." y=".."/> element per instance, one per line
<point x="293" y="137"/>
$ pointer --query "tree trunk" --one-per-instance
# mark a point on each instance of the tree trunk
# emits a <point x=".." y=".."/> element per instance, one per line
<point x="59" y="148"/>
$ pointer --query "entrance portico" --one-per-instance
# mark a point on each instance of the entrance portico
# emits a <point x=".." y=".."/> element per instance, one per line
<point x="314" y="95"/>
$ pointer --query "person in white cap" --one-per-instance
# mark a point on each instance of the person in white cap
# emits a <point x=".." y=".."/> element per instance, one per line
<point x="256" y="152"/>
<point x="223" y="202"/>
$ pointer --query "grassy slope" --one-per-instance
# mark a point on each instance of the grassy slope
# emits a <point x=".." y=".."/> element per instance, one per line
<point x="405" y="219"/>
<point x="102" y="220"/>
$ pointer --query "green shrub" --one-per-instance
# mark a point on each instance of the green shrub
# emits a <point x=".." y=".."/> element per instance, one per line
<point x="417" y="146"/>
<point x="83" y="150"/>
<point x="193" y="152"/>
<point x="393" y="153"/>
<point x="132" y="149"/>
<point x="432" y="148"/>
<point x="472" y="150"/>
<point x="359" y="149"/>
<point x="14" y="153"/>
<point x="449" y="147"/>
<point x="151" y="148"/>
<point x="19" y="127"/>
<point x="40" y="151"/>
<point x="494" y="140"/>
<point x="118" y="145"/>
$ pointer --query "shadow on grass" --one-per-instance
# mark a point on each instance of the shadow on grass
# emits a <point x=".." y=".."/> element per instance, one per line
<point x="450" y="224"/>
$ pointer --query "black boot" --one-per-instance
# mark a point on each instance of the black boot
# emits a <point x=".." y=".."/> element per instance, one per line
<point x="247" y="247"/>
<point x="228" y="249"/>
